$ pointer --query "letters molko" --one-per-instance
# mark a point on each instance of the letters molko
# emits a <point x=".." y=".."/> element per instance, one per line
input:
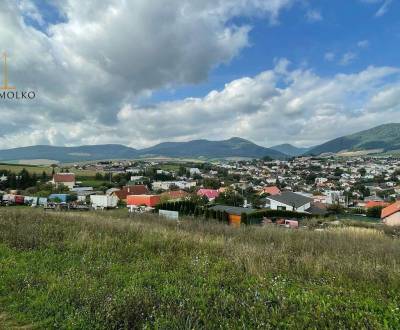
<point x="8" y="92"/>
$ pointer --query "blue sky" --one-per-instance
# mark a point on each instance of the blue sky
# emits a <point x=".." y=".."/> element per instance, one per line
<point x="270" y="71"/>
<point x="344" y="27"/>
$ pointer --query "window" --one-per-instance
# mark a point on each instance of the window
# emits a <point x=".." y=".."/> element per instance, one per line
<point x="281" y="208"/>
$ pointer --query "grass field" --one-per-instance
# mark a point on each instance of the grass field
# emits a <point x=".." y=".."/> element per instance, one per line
<point x="39" y="169"/>
<point x="109" y="271"/>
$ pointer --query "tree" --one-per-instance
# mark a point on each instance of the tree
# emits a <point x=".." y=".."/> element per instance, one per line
<point x="338" y="171"/>
<point x="362" y="171"/>
<point x="374" y="212"/>
<point x="230" y="197"/>
<point x="211" y="183"/>
<point x="244" y="218"/>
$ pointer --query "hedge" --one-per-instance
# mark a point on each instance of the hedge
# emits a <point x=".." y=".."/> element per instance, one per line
<point x="258" y="215"/>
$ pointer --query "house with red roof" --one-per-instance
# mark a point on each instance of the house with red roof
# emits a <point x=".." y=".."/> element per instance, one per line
<point x="139" y="189"/>
<point x="175" y="194"/>
<point x="65" y="179"/>
<point x="271" y="190"/>
<point x="211" y="194"/>
<point x="371" y="204"/>
<point x="391" y="214"/>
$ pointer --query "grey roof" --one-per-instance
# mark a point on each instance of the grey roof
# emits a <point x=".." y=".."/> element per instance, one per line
<point x="291" y="199"/>
<point x="315" y="210"/>
<point x="232" y="209"/>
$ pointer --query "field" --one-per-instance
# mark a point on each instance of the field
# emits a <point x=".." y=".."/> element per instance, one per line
<point x="107" y="270"/>
<point x="39" y="169"/>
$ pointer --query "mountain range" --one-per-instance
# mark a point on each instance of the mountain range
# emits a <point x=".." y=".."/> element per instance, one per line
<point x="290" y="150"/>
<point x="382" y="138"/>
<point x="234" y="147"/>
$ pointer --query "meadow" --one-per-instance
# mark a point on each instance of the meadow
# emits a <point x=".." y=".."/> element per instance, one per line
<point x="39" y="169"/>
<point x="107" y="270"/>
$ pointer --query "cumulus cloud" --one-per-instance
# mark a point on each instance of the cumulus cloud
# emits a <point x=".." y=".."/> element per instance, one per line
<point x="90" y="70"/>
<point x="304" y="111"/>
<point x="105" y="54"/>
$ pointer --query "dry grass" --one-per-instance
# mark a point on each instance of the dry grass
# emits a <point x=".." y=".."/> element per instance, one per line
<point x="106" y="270"/>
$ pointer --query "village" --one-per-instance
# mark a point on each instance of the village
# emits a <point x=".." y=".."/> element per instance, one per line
<point x="237" y="191"/>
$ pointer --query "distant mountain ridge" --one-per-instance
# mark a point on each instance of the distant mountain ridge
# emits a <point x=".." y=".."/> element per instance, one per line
<point x="385" y="137"/>
<point x="234" y="147"/>
<point x="290" y="149"/>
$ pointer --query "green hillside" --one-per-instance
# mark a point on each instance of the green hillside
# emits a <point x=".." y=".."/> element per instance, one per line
<point x="290" y="150"/>
<point x="386" y="137"/>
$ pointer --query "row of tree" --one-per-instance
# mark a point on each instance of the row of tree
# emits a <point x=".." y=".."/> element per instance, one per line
<point x="190" y="208"/>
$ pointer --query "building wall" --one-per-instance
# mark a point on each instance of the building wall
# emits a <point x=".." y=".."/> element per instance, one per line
<point x="392" y="220"/>
<point x="234" y="220"/>
<point x="275" y="204"/>
<point x="69" y="185"/>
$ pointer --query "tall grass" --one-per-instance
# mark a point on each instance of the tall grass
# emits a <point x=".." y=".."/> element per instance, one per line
<point x="107" y="271"/>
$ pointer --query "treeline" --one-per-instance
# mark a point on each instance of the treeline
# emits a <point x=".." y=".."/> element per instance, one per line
<point x="259" y="215"/>
<point x="21" y="180"/>
<point x="189" y="208"/>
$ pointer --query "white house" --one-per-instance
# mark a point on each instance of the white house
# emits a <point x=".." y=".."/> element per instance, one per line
<point x="165" y="185"/>
<point x="391" y="214"/>
<point x="66" y="179"/>
<point x="194" y="171"/>
<point x="289" y="201"/>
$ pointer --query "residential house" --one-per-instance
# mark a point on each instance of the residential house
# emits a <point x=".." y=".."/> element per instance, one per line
<point x="290" y="201"/>
<point x="271" y="190"/>
<point x="65" y="179"/>
<point x="211" y="194"/>
<point x="175" y="194"/>
<point x="391" y="214"/>
<point x="165" y="185"/>
<point x="139" y="189"/>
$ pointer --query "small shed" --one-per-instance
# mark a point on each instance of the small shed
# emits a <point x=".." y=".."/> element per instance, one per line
<point x="234" y="213"/>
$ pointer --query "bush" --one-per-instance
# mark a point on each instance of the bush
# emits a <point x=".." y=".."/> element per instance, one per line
<point x="258" y="215"/>
<point x="374" y="212"/>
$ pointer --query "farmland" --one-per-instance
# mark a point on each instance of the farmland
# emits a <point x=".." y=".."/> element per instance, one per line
<point x="39" y="169"/>
<point x="111" y="271"/>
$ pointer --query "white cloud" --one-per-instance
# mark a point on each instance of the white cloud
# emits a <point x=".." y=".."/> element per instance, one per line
<point x="90" y="72"/>
<point x="313" y="15"/>
<point x="384" y="6"/>
<point x="363" y="44"/>
<point x="108" y="53"/>
<point x="348" y="58"/>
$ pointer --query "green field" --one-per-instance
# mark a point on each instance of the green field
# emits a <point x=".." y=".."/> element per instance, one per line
<point x="106" y="270"/>
<point x="39" y="169"/>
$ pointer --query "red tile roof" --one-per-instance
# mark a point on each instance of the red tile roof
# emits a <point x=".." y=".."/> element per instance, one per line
<point x="273" y="190"/>
<point x="64" y="177"/>
<point x="209" y="193"/>
<point x="370" y="204"/>
<point x="176" y="194"/>
<point x="391" y="209"/>
<point x="139" y="189"/>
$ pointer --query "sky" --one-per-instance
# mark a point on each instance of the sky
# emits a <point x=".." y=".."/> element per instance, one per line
<point x="141" y="72"/>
